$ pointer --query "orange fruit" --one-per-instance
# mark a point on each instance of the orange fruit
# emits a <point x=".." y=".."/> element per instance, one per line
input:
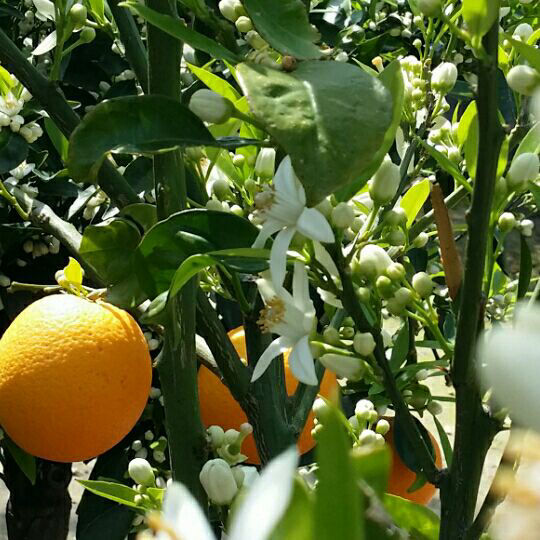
<point x="74" y="377"/>
<point x="402" y="478"/>
<point x="218" y="407"/>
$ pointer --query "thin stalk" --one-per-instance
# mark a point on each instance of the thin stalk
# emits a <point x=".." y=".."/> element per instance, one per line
<point x="177" y="366"/>
<point x="129" y="35"/>
<point x="50" y="98"/>
<point x="474" y="428"/>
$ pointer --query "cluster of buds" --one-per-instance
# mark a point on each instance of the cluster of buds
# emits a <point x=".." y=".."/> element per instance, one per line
<point x="228" y="444"/>
<point x="143" y="474"/>
<point x="443" y="136"/>
<point x="415" y="87"/>
<point x="11" y="105"/>
<point x="150" y="443"/>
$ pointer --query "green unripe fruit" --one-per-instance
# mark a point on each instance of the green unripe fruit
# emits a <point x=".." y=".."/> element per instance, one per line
<point x="239" y="160"/>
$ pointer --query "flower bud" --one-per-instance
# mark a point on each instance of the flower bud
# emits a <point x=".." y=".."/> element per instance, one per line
<point x="228" y="9"/>
<point x="396" y="271"/>
<point x="523" y="32"/>
<point x="342" y="215"/>
<point x="87" y="34"/>
<point x="507" y="221"/>
<point x="385" y="182"/>
<point x="367" y="437"/>
<point x="404" y="296"/>
<point x="218" y="481"/>
<point x="444" y="77"/>
<point x="319" y="407"/>
<point x="244" y="24"/>
<point x="526" y="227"/>
<point x="395" y="307"/>
<point x="395" y="217"/>
<point x="265" y="163"/>
<point x="421" y="240"/>
<point x="239" y="476"/>
<point x="210" y="106"/>
<point x="77" y="15"/>
<point x="331" y="336"/>
<point x="382" y="427"/>
<point x="364" y="343"/>
<point x="325" y="207"/>
<point x="373" y="261"/>
<point x="216" y="435"/>
<point x="430" y="8"/>
<point x="344" y="366"/>
<point x="396" y="237"/>
<point x="363" y="294"/>
<point x="384" y="287"/>
<point x="434" y="407"/>
<point x="140" y="471"/>
<point x="422" y="284"/>
<point x="524" y="168"/>
<point x="221" y="189"/>
<point x="523" y="79"/>
<point x="255" y="40"/>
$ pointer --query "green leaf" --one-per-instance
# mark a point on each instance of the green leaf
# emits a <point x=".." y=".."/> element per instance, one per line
<point x="285" y="26"/>
<point x="471" y="146"/>
<point x="25" y="461"/>
<point x="372" y="465"/>
<point x="320" y="115"/>
<point x="178" y="29"/>
<point x="414" y="199"/>
<point x="13" y="150"/>
<point x="143" y="214"/>
<point x="528" y="52"/>
<point x="401" y="347"/>
<point x="404" y="449"/>
<point x="297" y="522"/>
<point x="479" y="15"/>
<point x="412" y="517"/>
<point x="465" y="121"/>
<point x="190" y="232"/>
<point x="531" y="142"/>
<point x="114" y="492"/>
<point x="525" y="268"/>
<point x="57" y="138"/>
<point x="136" y="125"/>
<point x="109" y="247"/>
<point x="445" y="442"/>
<point x="215" y="83"/>
<point x="97" y="7"/>
<point x="392" y="78"/>
<point x="535" y="190"/>
<point x="447" y="165"/>
<point x="339" y="502"/>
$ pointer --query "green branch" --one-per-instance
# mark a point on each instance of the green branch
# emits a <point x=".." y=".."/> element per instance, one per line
<point x="474" y="428"/>
<point x="50" y="98"/>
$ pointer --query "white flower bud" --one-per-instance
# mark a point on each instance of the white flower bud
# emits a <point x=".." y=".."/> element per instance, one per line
<point x="523" y="79"/>
<point x="265" y="163"/>
<point x="444" y="77"/>
<point x="228" y="9"/>
<point x="244" y="24"/>
<point x="430" y="8"/>
<point x="524" y="169"/>
<point x="364" y="343"/>
<point x="87" y="35"/>
<point x="255" y="40"/>
<point x="395" y="307"/>
<point x="319" y="406"/>
<point x="422" y="284"/>
<point x="159" y="456"/>
<point x="523" y="32"/>
<point x="344" y="366"/>
<point x="364" y="405"/>
<point x="373" y="261"/>
<point x="210" y="106"/>
<point x="434" y="407"/>
<point x="136" y="445"/>
<point x="342" y="215"/>
<point x="5" y="120"/>
<point x="217" y="436"/>
<point x="396" y="237"/>
<point x="395" y="217"/>
<point x="421" y="240"/>
<point x="526" y="227"/>
<point x="218" y="481"/>
<point x="28" y="246"/>
<point x="507" y="221"/>
<point x="4" y="281"/>
<point x="77" y="15"/>
<point x="342" y="57"/>
<point x="385" y="182"/>
<point x="140" y="471"/>
<point x="404" y="296"/>
<point x="367" y="437"/>
<point x="149" y="435"/>
<point x="331" y="336"/>
<point x="239" y="476"/>
<point x="231" y="436"/>
<point x="382" y="427"/>
<point x="422" y="374"/>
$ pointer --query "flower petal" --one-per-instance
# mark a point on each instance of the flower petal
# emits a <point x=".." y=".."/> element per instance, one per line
<point x="269" y="228"/>
<point x="301" y="288"/>
<point x="267" y="499"/>
<point x="324" y="258"/>
<point x="301" y="362"/>
<point x="277" y="347"/>
<point x="182" y="512"/>
<point x="314" y="225"/>
<point x="285" y="179"/>
<point x="278" y="256"/>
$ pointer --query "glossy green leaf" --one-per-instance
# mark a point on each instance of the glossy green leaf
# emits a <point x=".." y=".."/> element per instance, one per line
<point x="285" y="26"/>
<point x="25" y="461"/>
<point x="135" y="125"/>
<point x="503" y="156"/>
<point x="525" y="268"/>
<point x="392" y="78"/>
<point x="471" y="146"/>
<point x="414" y="199"/>
<point x="447" y="165"/>
<point x="6" y="82"/>
<point x="445" y="442"/>
<point x="535" y="190"/>
<point x="339" y="502"/>
<point x="400" y="348"/>
<point x="58" y="139"/>
<point x="320" y="114"/>
<point x="531" y="141"/>
<point x="109" y="248"/>
<point x="479" y="15"/>
<point x="465" y="122"/>
<point x="215" y="83"/>
<point x="412" y="517"/>
<point x="97" y="8"/>
<point x="404" y="448"/>
<point x="13" y="150"/>
<point x="528" y="52"/>
<point x="190" y="232"/>
<point x="372" y="465"/>
<point x="111" y="490"/>
<point x="179" y="30"/>
<point x="145" y="215"/>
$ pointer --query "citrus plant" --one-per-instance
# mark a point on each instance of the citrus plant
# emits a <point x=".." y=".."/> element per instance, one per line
<point x="250" y="248"/>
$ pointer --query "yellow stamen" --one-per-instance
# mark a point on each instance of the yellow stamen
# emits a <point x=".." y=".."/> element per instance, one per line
<point x="273" y="313"/>
<point x="156" y="523"/>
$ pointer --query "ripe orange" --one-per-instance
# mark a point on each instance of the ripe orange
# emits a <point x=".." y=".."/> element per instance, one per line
<point x="74" y="377"/>
<point x="218" y="407"/>
<point x="402" y="478"/>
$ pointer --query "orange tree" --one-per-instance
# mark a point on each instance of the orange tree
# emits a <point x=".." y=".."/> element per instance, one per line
<point x="288" y="167"/>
